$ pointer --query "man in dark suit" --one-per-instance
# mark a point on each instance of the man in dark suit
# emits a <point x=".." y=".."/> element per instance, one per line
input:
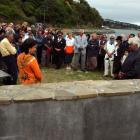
<point x="131" y="66"/>
<point x="59" y="45"/>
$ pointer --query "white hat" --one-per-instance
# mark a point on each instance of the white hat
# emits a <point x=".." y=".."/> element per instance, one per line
<point x="112" y="36"/>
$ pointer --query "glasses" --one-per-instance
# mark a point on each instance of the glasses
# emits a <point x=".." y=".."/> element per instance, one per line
<point x="112" y="38"/>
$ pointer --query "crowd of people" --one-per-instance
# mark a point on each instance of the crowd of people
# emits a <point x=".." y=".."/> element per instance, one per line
<point x="25" y="48"/>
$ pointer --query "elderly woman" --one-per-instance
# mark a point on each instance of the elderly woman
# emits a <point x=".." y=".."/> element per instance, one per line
<point x="29" y="71"/>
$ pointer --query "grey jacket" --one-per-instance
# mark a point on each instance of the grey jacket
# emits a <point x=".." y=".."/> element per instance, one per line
<point x="80" y="44"/>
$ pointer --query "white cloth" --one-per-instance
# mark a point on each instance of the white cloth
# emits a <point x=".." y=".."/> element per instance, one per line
<point x="124" y="57"/>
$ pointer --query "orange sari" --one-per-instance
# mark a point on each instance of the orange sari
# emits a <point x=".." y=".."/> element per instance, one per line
<point x="29" y="71"/>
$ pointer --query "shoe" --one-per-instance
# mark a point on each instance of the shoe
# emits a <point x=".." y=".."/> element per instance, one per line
<point x="112" y="76"/>
<point x="105" y="75"/>
<point x="68" y="68"/>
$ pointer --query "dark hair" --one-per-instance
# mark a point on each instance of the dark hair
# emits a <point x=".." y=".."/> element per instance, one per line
<point x="27" y="44"/>
<point x="2" y="31"/>
<point x="119" y="38"/>
<point x="17" y="37"/>
<point x="59" y="33"/>
<point x="133" y="35"/>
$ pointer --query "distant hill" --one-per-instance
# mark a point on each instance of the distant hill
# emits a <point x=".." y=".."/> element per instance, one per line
<point x="120" y="25"/>
<point x="54" y="12"/>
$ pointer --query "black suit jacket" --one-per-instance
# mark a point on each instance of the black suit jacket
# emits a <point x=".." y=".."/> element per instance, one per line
<point x="59" y="45"/>
<point x="131" y="66"/>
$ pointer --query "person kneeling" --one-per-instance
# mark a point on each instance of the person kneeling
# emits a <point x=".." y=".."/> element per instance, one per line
<point x="29" y="71"/>
<point x="131" y="66"/>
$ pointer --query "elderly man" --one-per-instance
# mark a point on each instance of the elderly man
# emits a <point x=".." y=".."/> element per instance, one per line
<point x="92" y="52"/>
<point x="8" y="52"/>
<point x="109" y="57"/>
<point x="131" y="66"/>
<point x="80" y="51"/>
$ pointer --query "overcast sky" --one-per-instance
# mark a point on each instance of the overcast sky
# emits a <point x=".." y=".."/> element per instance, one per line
<point x="122" y="10"/>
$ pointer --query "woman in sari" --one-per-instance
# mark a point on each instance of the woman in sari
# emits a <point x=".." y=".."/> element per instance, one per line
<point x="29" y="71"/>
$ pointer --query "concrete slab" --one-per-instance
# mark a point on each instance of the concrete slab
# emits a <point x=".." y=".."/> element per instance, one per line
<point x="69" y="90"/>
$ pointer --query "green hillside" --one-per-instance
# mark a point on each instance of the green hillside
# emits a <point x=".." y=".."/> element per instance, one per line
<point x="54" y="12"/>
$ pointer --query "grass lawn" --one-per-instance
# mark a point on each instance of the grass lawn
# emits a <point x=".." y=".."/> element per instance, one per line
<point x="62" y="75"/>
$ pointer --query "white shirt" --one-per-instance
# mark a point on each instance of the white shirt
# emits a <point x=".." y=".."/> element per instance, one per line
<point x="70" y="42"/>
<point x="26" y="36"/>
<point x="110" y="48"/>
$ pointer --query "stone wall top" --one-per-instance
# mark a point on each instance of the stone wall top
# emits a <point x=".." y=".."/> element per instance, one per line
<point x="68" y="90"/>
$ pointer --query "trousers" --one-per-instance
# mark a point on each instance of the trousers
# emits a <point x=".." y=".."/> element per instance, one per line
<point x="108" y="67"/>
<point x="76" y="59"/>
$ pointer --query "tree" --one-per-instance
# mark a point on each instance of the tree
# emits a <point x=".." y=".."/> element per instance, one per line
<point x="55" y="12"/>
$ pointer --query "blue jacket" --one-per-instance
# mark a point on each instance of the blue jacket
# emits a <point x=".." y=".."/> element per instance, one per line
<point x="80" y="44"/>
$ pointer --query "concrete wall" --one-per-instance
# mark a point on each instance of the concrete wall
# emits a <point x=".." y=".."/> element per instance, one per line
<point x="109" y="110"/>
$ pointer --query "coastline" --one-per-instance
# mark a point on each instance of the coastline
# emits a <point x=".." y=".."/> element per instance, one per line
<point x="90" y="31"/>
<point x="102" y="31"/>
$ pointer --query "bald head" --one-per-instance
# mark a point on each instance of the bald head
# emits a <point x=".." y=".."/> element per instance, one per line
<point x="124" y="37"/>
<point x="81" y="31"/>
<point x="133" y="43"/>
<point x="94" y="36"/>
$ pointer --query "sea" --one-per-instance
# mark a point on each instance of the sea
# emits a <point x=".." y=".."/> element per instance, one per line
<point x="124" y="31"/>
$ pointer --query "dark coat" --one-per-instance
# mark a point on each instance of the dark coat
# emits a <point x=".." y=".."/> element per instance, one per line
<point x="49" y="42"/>
<point x="59" y="45"/>
<point x="93" y="48"/>
<point x="131" y="66"/>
